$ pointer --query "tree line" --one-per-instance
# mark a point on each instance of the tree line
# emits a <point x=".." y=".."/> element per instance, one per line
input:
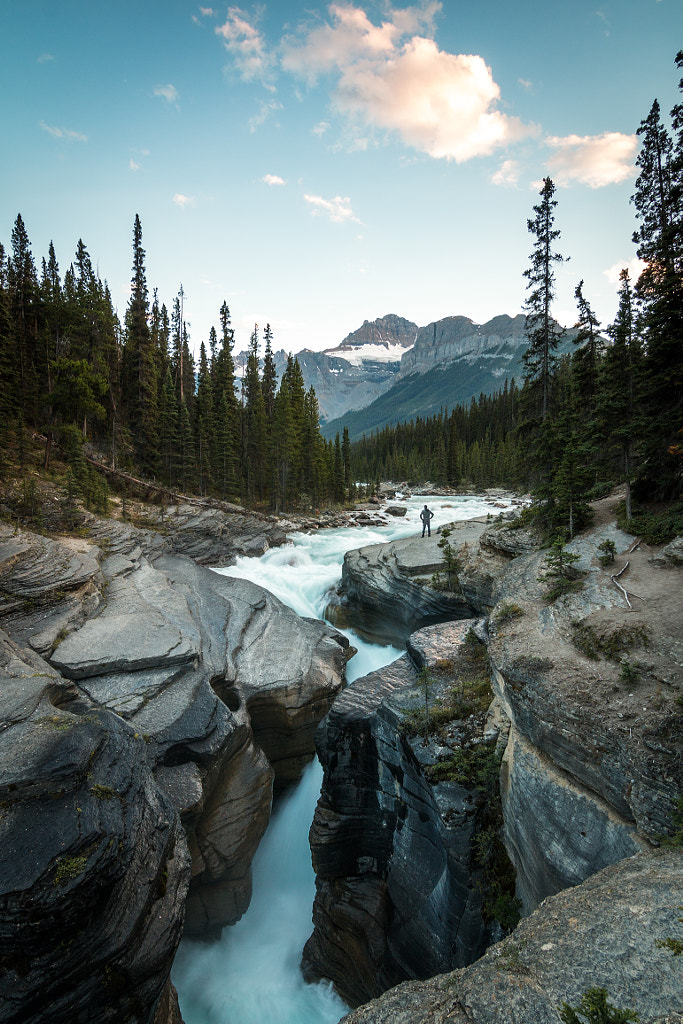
<point x="609" y="412"/>
<point x="70" y="369"/>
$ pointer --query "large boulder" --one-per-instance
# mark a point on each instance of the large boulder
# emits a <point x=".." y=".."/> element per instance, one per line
<point x="399" y="887"/>
<point x="227" y="686"/>
<point x="591" y="685"/>
<point x="94" y="865"/>
<point x="392" y="584"/>
<point x="607" y="932"/>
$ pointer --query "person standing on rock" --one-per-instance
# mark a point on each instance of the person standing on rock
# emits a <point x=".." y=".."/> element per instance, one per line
<point x="426" y="516"/>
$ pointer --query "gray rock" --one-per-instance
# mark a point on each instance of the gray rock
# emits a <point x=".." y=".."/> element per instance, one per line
<point x="602" y="933"/>
<point x="94" y="866"/>
<point x="392" y="582"/>
<point x="670" y="555"/>
<point x="398" y="890"/>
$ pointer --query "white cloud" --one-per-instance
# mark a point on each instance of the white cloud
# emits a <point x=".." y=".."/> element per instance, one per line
<point x="272" y="179"/>
<point x="338" y="209"/>
<point x="208" y="12"/>
<point x="63" y="133"/>
<point x="167" y="92"/>
<point x="439" y="103"/>
<point x="353" y="37"/>
<point x="182" y="201"/>
<point x="133" y="166"/>
<point x="525" y="83"/>
<point x="45" y="58"/>
<point x="593" y="160"/>
<point x="320" y="128"/>
<point x="247" y="46"/>
<point x="635" y="268"/>
<point x="507" y="173"/>
<point x="264" y="113"/>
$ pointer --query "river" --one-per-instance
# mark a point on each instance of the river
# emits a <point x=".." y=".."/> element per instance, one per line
<point x="251" y="975"/>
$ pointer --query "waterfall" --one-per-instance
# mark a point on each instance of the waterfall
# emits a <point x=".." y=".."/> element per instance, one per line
<point x="251" y="975"/>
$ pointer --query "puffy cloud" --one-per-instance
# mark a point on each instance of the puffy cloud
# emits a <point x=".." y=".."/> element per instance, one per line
<point x="593" y="160"/>
<point x="246" y="45"/>
<point x="337" y="209"/>
<point x="320" y="128"/>
<point x="272" y="179"/>
<point x="63" y="133"/>
<point x="439" y="103"/>
<point x="45" y="58"/>
<point x="167" y="92"/>
<point x="635" y="268"/>
<point x="182" y="201"/>
<point x="208" y="12"/>
<point x="507" y="173"/>
<point x="353" y="37"/>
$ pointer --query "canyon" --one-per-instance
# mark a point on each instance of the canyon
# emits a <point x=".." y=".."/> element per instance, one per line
<point x="150" y="706"/>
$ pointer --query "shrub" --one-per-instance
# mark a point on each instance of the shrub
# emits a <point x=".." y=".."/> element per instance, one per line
<point x="595" y="1009"/>
<point x="561" y="573"/>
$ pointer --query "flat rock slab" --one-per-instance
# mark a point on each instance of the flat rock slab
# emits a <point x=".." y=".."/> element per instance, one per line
<point x="601" y="933"/>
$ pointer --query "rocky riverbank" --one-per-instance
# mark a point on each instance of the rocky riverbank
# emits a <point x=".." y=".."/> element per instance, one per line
<point x="147" y="706"/>
<point x="587" y="722"/>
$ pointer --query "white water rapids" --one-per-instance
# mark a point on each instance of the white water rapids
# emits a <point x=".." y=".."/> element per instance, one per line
<point x="251" y="975"/>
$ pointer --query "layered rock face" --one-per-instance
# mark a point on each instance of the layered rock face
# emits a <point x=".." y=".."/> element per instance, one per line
<point x="94" y="865"/>
<point x="588" y="713"/>
<point x="456" y="337"/>
<point x="603" y="933"/>
<point x="398" y="888"/>
<point x="200" y="679"/>
<point x="595" y="752"/>
<point x="390" y="583"/>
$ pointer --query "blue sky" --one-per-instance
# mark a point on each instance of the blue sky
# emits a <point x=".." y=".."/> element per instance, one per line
<point x="319" y="166"/>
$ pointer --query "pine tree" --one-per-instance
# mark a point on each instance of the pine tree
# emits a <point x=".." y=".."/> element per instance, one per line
<point x="140" y="381"/>
<point x="269" y="378"/>
<point x="620" y="423"/>
<point x="542" y="332"/>
<point x="659" y="238"/>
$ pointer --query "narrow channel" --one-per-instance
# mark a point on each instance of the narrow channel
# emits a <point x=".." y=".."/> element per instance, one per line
<point x="251" y="975"/>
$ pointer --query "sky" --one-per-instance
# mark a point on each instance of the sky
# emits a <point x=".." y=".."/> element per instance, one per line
<point x="318" y="166"/>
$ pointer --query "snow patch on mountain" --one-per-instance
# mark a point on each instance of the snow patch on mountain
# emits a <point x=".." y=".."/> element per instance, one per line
<point x="375" y="353"/>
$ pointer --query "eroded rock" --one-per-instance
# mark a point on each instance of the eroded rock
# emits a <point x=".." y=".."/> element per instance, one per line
<point x="94" y="865"/>
<point x="602" y="933"/>
<point x="398" y="889"/>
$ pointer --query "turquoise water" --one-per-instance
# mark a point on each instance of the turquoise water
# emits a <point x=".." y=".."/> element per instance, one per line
<point x="251" y="975"/>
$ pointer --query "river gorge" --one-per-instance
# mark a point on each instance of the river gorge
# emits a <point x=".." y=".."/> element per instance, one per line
<point x="252" y="975"/>
<point x="482" y="751"/>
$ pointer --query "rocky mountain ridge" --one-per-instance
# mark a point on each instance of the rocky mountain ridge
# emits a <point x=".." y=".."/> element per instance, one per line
<point x="385" y="352"/>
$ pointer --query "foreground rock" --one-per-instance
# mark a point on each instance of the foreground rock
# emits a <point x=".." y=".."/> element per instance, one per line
<point x="391" y="584"/>
<point x="592" y="690"/>
<point x="603" y="933"/>
<point x="399" y="887"/>
<point x="94" y="866"/>
<point x="200" y="689"/>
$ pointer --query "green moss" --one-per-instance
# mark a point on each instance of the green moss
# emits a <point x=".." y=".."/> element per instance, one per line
<point x="609" y="644"/>
<point x="68" y="868"/>
<point x="595" y="1008"/>
<point x="103" y="792"/>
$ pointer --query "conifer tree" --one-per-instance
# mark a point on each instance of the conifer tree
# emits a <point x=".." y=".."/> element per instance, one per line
<point x="620" y="422"/>
<point x="543" y="333"/>
<point x="659" y="238"/>
<point x="141" y="378"/>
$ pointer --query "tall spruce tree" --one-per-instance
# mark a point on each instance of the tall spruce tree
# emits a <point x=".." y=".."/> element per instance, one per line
<point x="659" y="238"/>
<point x="141" y="385"/>
<point x="542" y="332"/>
